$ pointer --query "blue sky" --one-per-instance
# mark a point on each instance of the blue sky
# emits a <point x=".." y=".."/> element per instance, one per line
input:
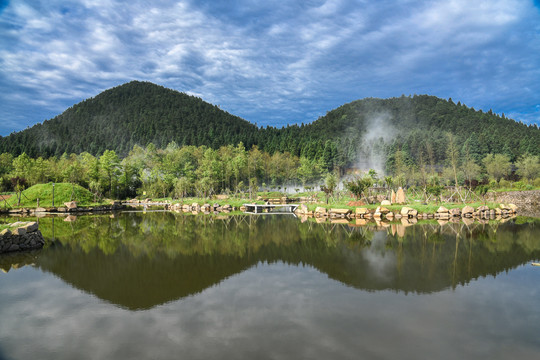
<point x="270" y="62"/>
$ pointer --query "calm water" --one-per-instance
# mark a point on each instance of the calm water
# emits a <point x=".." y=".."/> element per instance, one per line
<point x="164" y="285"/>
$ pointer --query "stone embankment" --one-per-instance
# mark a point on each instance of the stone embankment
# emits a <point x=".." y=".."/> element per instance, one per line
<point x="381" y="212"/>
<point x="21" y="236"/>
<point x="527" y="201"/>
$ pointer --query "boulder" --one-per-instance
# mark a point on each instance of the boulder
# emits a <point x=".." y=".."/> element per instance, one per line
<point x="455" y="212"/>
<point x="31" y="227"/>
<point x="405" y="211"/>
<point x="340" y="211"/>
<point x="362" y="211"/>
<point x="389" y="215"/>
<point x="513" y="207"/>
<point x="386" y="203"/>
<point x="19" y="231"/>
<point x="504" y="207"/>
<point x="482" y="208"/>
<point x="400" y="196"/>
<point x="442" y="210"/>
<point x="383" y="210"/>
<point x="467" y="210"/>
<point x="393" y="197"/>
<point x="5" y="232"/>
<point x="320" y="210"/>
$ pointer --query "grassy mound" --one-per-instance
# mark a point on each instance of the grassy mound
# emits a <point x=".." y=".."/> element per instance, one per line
<point x="63" y="192"/>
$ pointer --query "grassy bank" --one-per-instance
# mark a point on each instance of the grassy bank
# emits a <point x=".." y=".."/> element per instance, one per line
<point x="63" y="192"/>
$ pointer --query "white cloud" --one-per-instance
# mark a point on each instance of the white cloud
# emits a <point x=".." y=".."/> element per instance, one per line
<point x="317" y="55"/>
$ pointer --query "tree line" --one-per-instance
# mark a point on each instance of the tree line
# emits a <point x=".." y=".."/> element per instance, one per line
<point x="181" y="171"/>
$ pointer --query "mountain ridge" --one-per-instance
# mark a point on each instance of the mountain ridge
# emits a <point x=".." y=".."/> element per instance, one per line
<point x="139" y="113"/>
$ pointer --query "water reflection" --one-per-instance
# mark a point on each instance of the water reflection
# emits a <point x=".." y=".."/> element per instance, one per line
<point x="138" y="261"/>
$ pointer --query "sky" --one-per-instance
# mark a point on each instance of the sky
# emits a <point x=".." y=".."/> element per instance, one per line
<point x="270" y="62"/>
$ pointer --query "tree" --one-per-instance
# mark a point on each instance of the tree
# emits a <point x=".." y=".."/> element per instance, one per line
<point x="109" y="164"/>
<point x="528" y="167"/>
<point x="497" y="165"/>
<point x="329" y="186"/>
<point x="358" y="185"/>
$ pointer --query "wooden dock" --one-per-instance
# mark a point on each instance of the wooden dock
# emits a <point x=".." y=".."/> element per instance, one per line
<point x="270" y="208"/>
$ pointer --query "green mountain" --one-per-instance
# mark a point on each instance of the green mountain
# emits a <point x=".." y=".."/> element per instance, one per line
<point x="142" y="113"/>
<point x="133" y="113"/>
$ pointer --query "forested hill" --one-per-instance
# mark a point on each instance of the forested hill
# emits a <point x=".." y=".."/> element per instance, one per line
<point x="419" y="126"/>
<point x="142" y="113"/>
<point x="133" y="113"/>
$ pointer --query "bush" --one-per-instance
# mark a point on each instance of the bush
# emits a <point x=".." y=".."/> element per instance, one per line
<point x="504" y="184"/>
<point x="536" y="182"/>
<point x="520" y="185"/>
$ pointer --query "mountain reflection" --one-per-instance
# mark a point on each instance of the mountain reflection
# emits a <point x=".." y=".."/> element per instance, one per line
<point x="138" y="261"/>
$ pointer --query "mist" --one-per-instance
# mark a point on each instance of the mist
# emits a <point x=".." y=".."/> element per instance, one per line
<point x="370" y="151"/>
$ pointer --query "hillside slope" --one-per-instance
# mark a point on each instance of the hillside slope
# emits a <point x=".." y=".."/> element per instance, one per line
<point x="133" y="113"/>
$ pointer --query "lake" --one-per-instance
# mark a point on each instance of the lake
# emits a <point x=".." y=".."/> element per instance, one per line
<point x="162" y="285"/>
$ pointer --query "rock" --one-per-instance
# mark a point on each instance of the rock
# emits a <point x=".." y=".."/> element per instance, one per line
<point x="504" y="207"/>
<point x="482" y="209"/>
<point x="442" y="210"/>
<point x="405" y="211"/>
<point x="5" y="232"/>
<point x="384" y="210"/>
<point x="362" y="211"/>
<point x="222" y="197"/>
<point x="389" y="215"/>
<point x="413" y="213"/>
<point x="40" y="210"/>
<point x="31" y="227"/>
<point x="303" y="209"/>
<point x="386" y="203"/>
<point x="13" y="247"/>
<point x="62" y="209"/>
<point x="19" y="231"/>
<point x="242" y="208"/>
<point x="70" y="205"/>
<point x="467" y="210"/>
<point x="320" y="210"/>
<point x="71" y="218"/>
<point x="340" y="211"/>
<point x="400" y="196"/>
<point x="393" y="197"/>
<point x="455" y="212"/>
<point x="513" y="207"/>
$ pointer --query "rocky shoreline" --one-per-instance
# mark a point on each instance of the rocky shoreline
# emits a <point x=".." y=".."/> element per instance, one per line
<point x="21" y="236"/>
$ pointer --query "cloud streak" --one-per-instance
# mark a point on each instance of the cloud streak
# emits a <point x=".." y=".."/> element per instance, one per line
<point x="271" y="63"/>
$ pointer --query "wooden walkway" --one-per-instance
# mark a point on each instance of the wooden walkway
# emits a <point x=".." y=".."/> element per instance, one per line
<point x="270" y="209"/>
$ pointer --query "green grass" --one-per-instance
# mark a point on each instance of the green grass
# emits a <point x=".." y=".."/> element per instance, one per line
<point x="62" y="193"/>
